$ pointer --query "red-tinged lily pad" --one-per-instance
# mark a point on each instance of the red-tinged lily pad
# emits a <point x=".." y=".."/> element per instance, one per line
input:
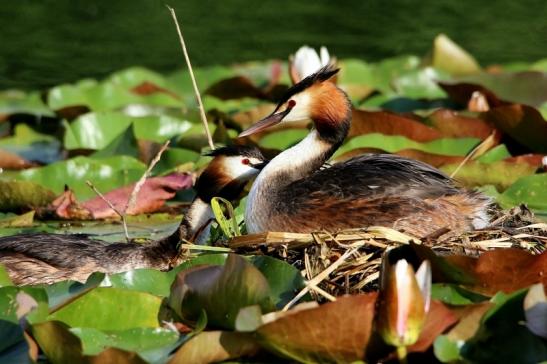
<point x="235" y="88"/>
<point x="388" y="123"/>
<point x="215" y="346"/>
<point x="219" y="290"/>
<point x="438" y="319"/>
<point x="153" y="194"/>
<point x="497" y="270"/>
<point x="334" y="332"/>
<point x="523" y="123"/>
<point x="452" y="124"/>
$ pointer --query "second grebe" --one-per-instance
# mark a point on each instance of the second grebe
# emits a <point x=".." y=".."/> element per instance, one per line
<point x="49" y="258"/>
<point x="294" y="194"/>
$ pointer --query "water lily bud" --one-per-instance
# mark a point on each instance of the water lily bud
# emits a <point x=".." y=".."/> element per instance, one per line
<point x="306" y="61"/>
<point x="404" y="302"/>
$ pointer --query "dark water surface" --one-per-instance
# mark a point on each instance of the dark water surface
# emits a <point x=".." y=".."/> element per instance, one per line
<point x="47" y="42"/>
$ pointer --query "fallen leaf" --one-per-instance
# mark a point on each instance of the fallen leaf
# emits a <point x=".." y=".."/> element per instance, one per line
<point x="153" y="194"/>
<point x="333" y="332"/>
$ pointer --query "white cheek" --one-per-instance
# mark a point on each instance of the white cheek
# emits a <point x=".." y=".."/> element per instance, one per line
<point x="301" y="111"/>
<point x="236" y="169"/>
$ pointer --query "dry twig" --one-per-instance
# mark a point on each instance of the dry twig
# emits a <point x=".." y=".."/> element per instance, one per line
<point x="194" y="84"/>
<point x="112" y="207"/>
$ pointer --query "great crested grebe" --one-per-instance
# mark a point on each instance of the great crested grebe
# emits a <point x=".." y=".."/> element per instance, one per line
<point x="49" y="258"/>
<point x="294" y="194"/>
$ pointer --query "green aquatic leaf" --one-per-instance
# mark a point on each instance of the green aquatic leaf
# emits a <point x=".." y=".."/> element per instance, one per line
<point x="152" y="344"/>
<point x="498" y="153"/>
<point x="453" y="294"/>
<point x="143" y="280"/>
<point x="219" y="290"/>
<point x="20" y="102"/>
<point x="531" y="190"/>
<point x="26" y="219"/>
<point x="420" y="84"/>
<point x="228" y="224"/>
<point x="124" y="144"/>
<point x="105" y="173"/>
<point x="502" y="334"/>
<point x="5" y="280"/>
<point x="98" y="130"/>
<point x="111" y="309"/>
<point x="283" y="139"/>
<point x="395" y="143"/>
<point x="113" y="93"/>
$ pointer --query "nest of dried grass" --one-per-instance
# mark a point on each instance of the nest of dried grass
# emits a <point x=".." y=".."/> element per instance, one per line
<point x="349" y="261"/>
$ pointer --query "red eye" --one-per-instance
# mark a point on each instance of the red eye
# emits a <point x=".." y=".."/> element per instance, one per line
<point x="291" y="104"/>
<point x="245" y="161"/>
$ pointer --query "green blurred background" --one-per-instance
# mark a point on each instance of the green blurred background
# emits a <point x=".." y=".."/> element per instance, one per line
<point x="47" y="42"/>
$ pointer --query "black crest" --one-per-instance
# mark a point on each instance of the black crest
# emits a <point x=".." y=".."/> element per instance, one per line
<point x="322" y="75"/>
<point x="236" y="150"/>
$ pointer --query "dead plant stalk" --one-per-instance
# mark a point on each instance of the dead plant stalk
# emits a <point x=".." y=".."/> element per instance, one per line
<point x="122" y="216"/>
<point x="194" y="84"/>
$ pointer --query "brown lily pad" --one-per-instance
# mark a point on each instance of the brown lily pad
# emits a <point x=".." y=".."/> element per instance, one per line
<point x="334" y="332"/>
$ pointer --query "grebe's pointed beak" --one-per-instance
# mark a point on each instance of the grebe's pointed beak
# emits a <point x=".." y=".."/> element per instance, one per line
<point x="268" y="121"/>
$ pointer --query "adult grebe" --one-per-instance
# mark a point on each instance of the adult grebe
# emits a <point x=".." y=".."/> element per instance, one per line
<point x="293" y="193"/>
<point x="49" y="258"/>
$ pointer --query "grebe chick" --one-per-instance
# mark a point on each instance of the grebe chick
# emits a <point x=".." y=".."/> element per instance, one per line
<point x="292" y="193"/>
<point x="49" y="258"/>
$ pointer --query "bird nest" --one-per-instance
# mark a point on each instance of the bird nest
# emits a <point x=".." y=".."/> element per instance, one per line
<point x="348" y="261"/>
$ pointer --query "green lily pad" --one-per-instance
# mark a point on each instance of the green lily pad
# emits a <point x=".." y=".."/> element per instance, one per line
<point x="502" y="334"/>
<point x="498" y="153"/>
<point x="105" y="173"/>
<point x="451" y="58"/>
<point x="283" y="139"/>
<point x="13" y="347"/>
<point x="4" y="277"/>
<point x="20" y="102"/>
<point x="531" y="190"/>
<point x="97" y="130"/>
<point x="124" y="144"/>
<point x="142" y="280"/>
<point x="111" y="309"/>
<point x="220" y="291"/>
<point x="395" y="143"/>
<point x="152" y="344"/>
<point x="420" y="84"/>
<point x="453" y="294"/>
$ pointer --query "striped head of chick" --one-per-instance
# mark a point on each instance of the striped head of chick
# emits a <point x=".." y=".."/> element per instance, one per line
<point x="229" y="171"/>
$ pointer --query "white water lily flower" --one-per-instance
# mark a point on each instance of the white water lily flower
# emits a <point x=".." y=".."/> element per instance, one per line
<point x="306" y="61"/>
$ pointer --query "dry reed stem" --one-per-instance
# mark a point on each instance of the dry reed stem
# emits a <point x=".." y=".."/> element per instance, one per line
<point x="194" y="84"/>
<point x="318" y="278"/>
<point x="124" y="223"/>
<point x="485" y="142"/>
<point x="133" y="197"/>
